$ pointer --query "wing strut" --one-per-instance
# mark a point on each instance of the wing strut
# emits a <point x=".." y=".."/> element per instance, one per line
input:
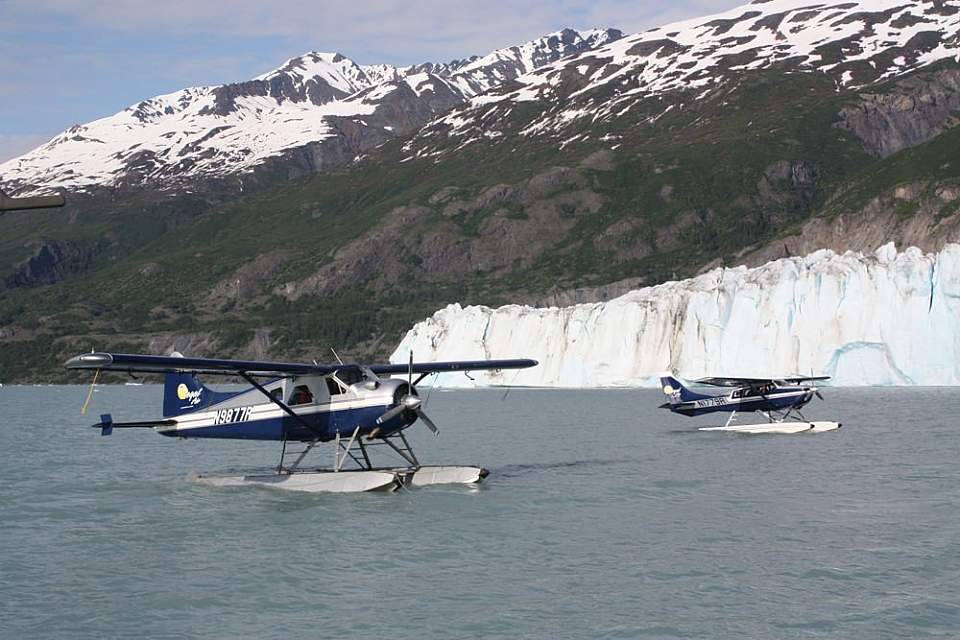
<point x="293" y="414"/>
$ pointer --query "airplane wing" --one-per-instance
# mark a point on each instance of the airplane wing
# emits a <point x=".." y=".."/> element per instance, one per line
<point x="802" y="378"/>
<point x="749" y="382"/>
<point x="461" y="365"/>
<point x="128" y="362"/>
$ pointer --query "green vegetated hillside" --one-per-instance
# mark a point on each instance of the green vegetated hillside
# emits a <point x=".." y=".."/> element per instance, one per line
<point x="935" y="165"/>
<point x="349" y="259"/>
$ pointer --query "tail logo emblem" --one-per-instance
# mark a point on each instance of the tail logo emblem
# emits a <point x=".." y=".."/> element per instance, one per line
<point x="185" y="393"/>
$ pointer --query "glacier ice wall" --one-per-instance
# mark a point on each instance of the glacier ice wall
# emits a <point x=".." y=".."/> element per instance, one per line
<point x="885" y="318"/>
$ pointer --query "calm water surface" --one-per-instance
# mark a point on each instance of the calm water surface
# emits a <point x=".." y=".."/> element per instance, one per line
<point x="602" y="517"/>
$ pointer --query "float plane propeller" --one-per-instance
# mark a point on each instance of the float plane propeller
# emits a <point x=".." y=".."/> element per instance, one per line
<point x="776" y="398"/>
<point x="357" y="407"/>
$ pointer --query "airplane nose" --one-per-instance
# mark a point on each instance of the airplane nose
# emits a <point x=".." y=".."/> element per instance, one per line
<point x="404" y="400"/>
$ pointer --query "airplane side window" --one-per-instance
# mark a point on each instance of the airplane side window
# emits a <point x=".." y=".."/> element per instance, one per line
<point x="350" y="376"/>
<point x="333" y="387"/>
<point x="277" y="393"/>
<point x="301" y="395"/>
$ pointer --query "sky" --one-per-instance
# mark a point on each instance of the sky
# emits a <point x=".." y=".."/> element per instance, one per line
<point x="64" y="62"/>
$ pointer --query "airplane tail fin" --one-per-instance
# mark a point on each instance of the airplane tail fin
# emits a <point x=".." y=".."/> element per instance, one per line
<point x="676" y="390"/>
<point x="184" y="393"/>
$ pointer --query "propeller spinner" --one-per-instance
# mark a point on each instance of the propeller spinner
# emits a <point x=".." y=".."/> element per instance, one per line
<point x="406" y="399"/>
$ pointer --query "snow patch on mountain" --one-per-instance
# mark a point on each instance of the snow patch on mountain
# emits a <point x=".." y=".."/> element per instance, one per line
<point x="886" y="318"/>
<point x="502" y="65"/>
<point x="177" y="135"/>
<point x="228" y="129"/>
<point x="334" y="69"/>
<point x="859" y="42"/>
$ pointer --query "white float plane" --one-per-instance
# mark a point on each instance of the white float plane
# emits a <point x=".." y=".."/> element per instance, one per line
<point x="350" y="405"/>
<point x="776" y="398"/>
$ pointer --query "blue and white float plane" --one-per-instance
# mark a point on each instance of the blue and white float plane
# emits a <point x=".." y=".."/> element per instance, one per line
<point x="350" y="405"/>
<point x="776" y="398"/>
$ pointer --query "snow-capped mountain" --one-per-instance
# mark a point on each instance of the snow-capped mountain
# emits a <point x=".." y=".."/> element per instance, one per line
<point x="884" y="318"/>
<point x="323" y="105"/>
<point x="494" y="69"/>
<point x="857" y="42"/>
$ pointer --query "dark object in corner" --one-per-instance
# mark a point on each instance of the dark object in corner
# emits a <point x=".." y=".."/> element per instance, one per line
<point x="38" y="202"/>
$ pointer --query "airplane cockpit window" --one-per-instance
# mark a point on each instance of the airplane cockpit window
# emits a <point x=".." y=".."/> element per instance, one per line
<point x="301" y="395"/>
<point x="350" y="376"/>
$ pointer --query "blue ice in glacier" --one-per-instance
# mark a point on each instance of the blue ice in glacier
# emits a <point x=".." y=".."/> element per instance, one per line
<point x="882" y="318"/>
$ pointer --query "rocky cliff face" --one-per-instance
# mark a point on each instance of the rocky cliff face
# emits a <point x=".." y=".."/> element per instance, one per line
<point x="52" y="262"/>
<point x="906" y="113"/>
<point x="918" y="214"/>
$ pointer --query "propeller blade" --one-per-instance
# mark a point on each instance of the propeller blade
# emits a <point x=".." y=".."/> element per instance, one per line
<point x="410" y="371"/>
<point x="427" y="421"/>
<point x="407" y="402"/>
<point x="391" y="414"/>
<point x="818" y="394"/>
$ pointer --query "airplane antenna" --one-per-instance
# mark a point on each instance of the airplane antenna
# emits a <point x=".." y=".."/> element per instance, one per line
<point x="336" y="356"/>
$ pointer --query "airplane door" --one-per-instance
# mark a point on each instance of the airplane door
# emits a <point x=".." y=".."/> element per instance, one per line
<point x="334" y="393"/>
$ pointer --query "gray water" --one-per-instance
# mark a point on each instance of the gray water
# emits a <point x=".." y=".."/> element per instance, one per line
<point x="602" y="517"/>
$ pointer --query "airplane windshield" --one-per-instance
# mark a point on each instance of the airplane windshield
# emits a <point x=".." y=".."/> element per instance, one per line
<point x="350" y="375"/>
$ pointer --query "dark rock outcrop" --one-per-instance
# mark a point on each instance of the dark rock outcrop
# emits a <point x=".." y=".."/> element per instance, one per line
<point x="52" y="262"/>
<point x="912" y="111"/>
<point x="924" y="215"/>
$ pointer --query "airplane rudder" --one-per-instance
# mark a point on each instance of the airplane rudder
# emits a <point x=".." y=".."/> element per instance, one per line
<point x="672" y="387"/>
<point x="182" y="393"/>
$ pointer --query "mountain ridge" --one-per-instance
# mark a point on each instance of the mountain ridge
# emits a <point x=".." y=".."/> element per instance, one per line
<point x="857" y="42"/>
<point x="224" y="131"/>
